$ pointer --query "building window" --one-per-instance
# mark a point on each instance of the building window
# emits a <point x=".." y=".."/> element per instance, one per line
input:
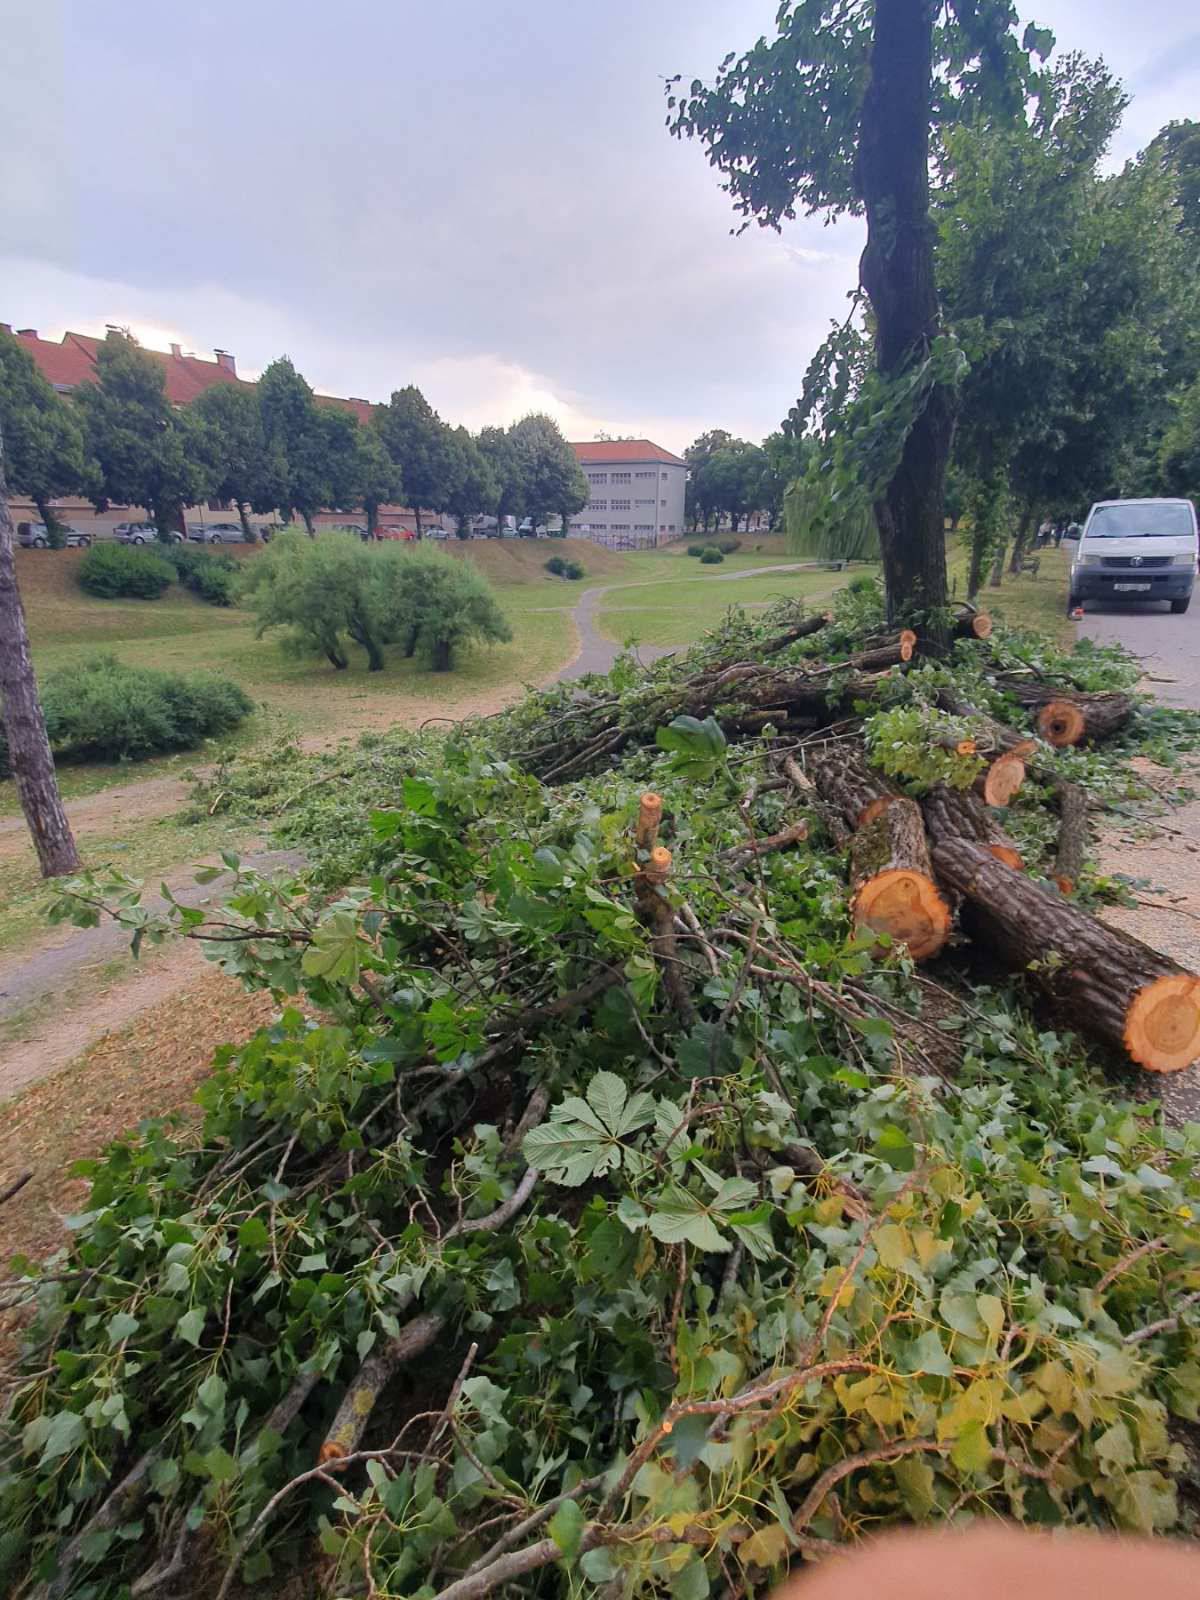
<point x="645" y="474"/>
<point x="621" y="477"/>
<point x="642" y="504"/>
<point x="664" y="477"/>
<point x="599" y="527"/>
<point x="643" y="527"/>
<point x="620" y="505"/>
<point x="598" y="477"/>
<point x="597" y="505"/>
<point x="671" y="529"/>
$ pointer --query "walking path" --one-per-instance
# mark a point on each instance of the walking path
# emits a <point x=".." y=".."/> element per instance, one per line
<point x="597" y="653"/>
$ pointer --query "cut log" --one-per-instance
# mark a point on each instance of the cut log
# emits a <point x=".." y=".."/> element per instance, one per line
<point x="892" y="653"/>
<point x="972" y="624"/>
<point x="1072" y="835"/>
<point x="842" y="777"/>
<point x="648" y="818"/>
<point x="654" y="910"/>
<point x="351" y="1417"/>
<point x="894" y="889"/>
<point x="1110" y="986"/>
<point x="1064" y="717"/>
<point x="1003" y="776"/>
<point x="959" y="814"/>
<point x="783" y="840"/>
<point x="804" y="629"/>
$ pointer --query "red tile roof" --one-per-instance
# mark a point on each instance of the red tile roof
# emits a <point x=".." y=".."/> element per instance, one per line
<point x="187" y="377"/>
<point x="609" y="450"/>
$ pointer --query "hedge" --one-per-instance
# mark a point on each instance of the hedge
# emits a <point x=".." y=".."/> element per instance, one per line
<point x="125" y="572"/>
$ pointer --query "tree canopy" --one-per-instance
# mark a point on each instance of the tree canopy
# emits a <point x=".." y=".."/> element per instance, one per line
<point x="422" y="446"/>
<point x="551" y="479"/>
<point x="44" y="451"/>
<point x="235" y="446"/>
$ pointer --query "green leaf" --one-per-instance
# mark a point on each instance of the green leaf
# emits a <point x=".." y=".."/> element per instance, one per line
<point x="972" y="1449"/>
<point x="211" y="1393"/>
<point x="334" y="951"/>
<point x="253" y="1235"/>
<point x="927" y="1355"/>
<point x="566" y="1528"/>
<point x="680" y="1217"/>
<point x="64" y="1431"/>
<point x="191" y="1325"/>
<point x="121" y="1327"/>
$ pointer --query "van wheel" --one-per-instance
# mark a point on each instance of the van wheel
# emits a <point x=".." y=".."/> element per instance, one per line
<point x="1178" y="607"/>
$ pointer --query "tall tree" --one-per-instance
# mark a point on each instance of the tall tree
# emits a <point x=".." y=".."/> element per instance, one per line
<point x="422" y="446"/>
<point x="235" y="447"/>
<point x="496" y="447"/>
<point x="379" y="479"/>
<point x="551" y="478"/>
<point x="25" y="735"/>
<point x="296" y="466"/>
<point x="697" y="506"/>
<point x="476" y="486"/>
<point x="43" y="439"/>
<point x="835" y="115"/>
<point x="148" y="453"/>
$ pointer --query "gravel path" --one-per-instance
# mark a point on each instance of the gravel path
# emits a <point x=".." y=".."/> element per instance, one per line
<point x="597" y="654"/>
<point x="1169" y="646"/>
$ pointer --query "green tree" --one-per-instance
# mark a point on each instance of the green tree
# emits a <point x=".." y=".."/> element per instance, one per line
<point x="496" y="447"/>
<point x="697" y="506"/>
<point x="786" y="459"/>
<point x="235" y="447"/>
<point x="551" y="478"/>
<point x="295" y="475"/>
<point x="444" y="603"/>
<point x="1181" y="446"/>
<point x="323" y="591"/>
<point x="379" y="479"/>
<point x="337" y="437"/>
<point x="148" y="454"/>
<point x="735" y="480"/>
<point x="834" y="115"/>
<point x="43" y="441"/>
<point x="476" y="487"/>
<point x="422" y="446"/>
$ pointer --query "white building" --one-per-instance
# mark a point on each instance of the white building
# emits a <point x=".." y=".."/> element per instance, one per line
<point x="637" y="491"/>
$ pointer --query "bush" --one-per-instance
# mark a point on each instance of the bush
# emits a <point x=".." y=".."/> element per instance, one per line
<point x="557" y="565"/>
<point x="711" y="557"/>
<point x="695" y="549"/>
<point x="211" y="576"/>
<point x="119" y="571"/>
<point x="103" y="710"/>
<point x="574" y="570"/>
<point x="728" y="546"/>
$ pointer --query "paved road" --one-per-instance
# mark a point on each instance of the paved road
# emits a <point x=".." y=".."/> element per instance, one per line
<point x="1170" y="648"/>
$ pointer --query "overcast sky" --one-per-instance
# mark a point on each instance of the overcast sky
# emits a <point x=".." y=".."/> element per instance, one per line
<point x="479" y="197"/>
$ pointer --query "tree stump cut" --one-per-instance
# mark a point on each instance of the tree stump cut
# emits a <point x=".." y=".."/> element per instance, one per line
<point x="894" y="889"/>
<point x="1111" y="986"/>
<point x="842" y="777"/>
<point x="972" y="624"/>
<point x="959" y="814"/>
<point x="1004" y="775"/>
<point x="1065" y="718"/>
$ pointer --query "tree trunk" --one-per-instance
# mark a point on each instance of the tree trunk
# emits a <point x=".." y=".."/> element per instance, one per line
<point x="24" y="725"/>
<point x="54" y="528"/>
<point x="897" y="272"/>
<point x="417" y="515"/>
<point x="1109" y="985"/>
<point x="997" y="577"/>
<point x="894" y="891"/>
<point x="442" y="655"/>
<point x="1065" y="718"/>
<point x="372" y="510"/>
<point x="410" y="643"/>
<point x="958" y="814"/>
<point x="841" y="776"/>
<point x="308" y="523"/>
<point x="248" y="533"/>
<point x="1020" y="543"/>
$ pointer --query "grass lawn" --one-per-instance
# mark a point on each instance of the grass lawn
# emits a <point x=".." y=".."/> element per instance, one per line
<point x="678" y="611"/>
<point x="1024" y="602"/>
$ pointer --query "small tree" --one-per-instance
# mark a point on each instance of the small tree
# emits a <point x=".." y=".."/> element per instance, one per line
<point x="550" y="475"/>
<point x="24" y="725"/>
<point x="422" y="446"/>
<point x="148" y="454"/>
<point x="296" y="475"/>
<point x="475" y="485"/>
<point x="379" y="478"/>
<point x="235" y="447"/>
<point x="496" y="447"/>
<point x="43" y="440"/>
<point x="323" y="590"/>
<point x="445" y="603"/>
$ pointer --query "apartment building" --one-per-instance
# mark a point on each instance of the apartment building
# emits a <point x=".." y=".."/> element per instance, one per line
<point x="636" y="493"/>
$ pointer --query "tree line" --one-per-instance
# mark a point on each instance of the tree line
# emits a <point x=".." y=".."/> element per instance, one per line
<point x="1025" y="332"/>
<point x="266" y="447"/>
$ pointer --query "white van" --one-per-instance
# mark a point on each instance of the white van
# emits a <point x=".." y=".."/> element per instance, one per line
<point x="1136" y="550"/>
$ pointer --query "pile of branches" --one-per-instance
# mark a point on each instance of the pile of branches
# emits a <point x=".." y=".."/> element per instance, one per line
<point x="634" y="1186"/>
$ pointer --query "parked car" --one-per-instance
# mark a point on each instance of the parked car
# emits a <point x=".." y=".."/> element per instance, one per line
<point x="217" y="533"/>
<point x="1136" y="550"/>
<point x="394" y="531"/>
<point x="36" y="536"/>
<point x="141" y="533"/>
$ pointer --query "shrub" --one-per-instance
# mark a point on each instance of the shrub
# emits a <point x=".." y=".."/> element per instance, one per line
<point x="103" y="710"/>
<point x="118" y="571"/>
<point x="695" y="549"/>
<point x="711" y="557"/>
<point x="573" y="570"/>
<point x="211" y="576"/>
<point x="443" y="603"/>
<point x="557" y="565"/>
<point x="728" y="546"/>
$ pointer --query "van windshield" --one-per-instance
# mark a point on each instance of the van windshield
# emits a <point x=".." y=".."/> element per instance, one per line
<point x="1142" y="521"/>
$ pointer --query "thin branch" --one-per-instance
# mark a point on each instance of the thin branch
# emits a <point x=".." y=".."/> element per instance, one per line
<point x="1167" y="1325"/>
<point x="832" y="1476"/>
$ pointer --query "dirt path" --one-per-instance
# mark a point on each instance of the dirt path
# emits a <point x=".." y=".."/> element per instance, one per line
<point x="597" y="654"/>
<point x="99" y="812"/>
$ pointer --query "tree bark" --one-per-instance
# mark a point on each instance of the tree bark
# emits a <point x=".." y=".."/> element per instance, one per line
<point x="442" y="655"/>
<point x="351" y="1418"/>
<point x="1072" y="836"/>
<point x="1065" y="718"/>
<point x="897" y="272"/>
<point x="54" y="528"/>
<point x="894" y="889"/>
<point x="959" y="814"/>
<point x="997" y="577"/>
<point x="248" y="533"/>
<point x="972" y="624"/>
<point x="308" y="523"/>
<point x="1021" y="542"/>
<point x="372" y="510"/>
<point x="29" y="754"/>
<point x="417" y="515"/>
<point x="841" y="776"/>
<point x="1109" y="985"/>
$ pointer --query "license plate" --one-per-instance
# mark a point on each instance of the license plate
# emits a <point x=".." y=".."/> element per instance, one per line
<point x="1131" y="588"/>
